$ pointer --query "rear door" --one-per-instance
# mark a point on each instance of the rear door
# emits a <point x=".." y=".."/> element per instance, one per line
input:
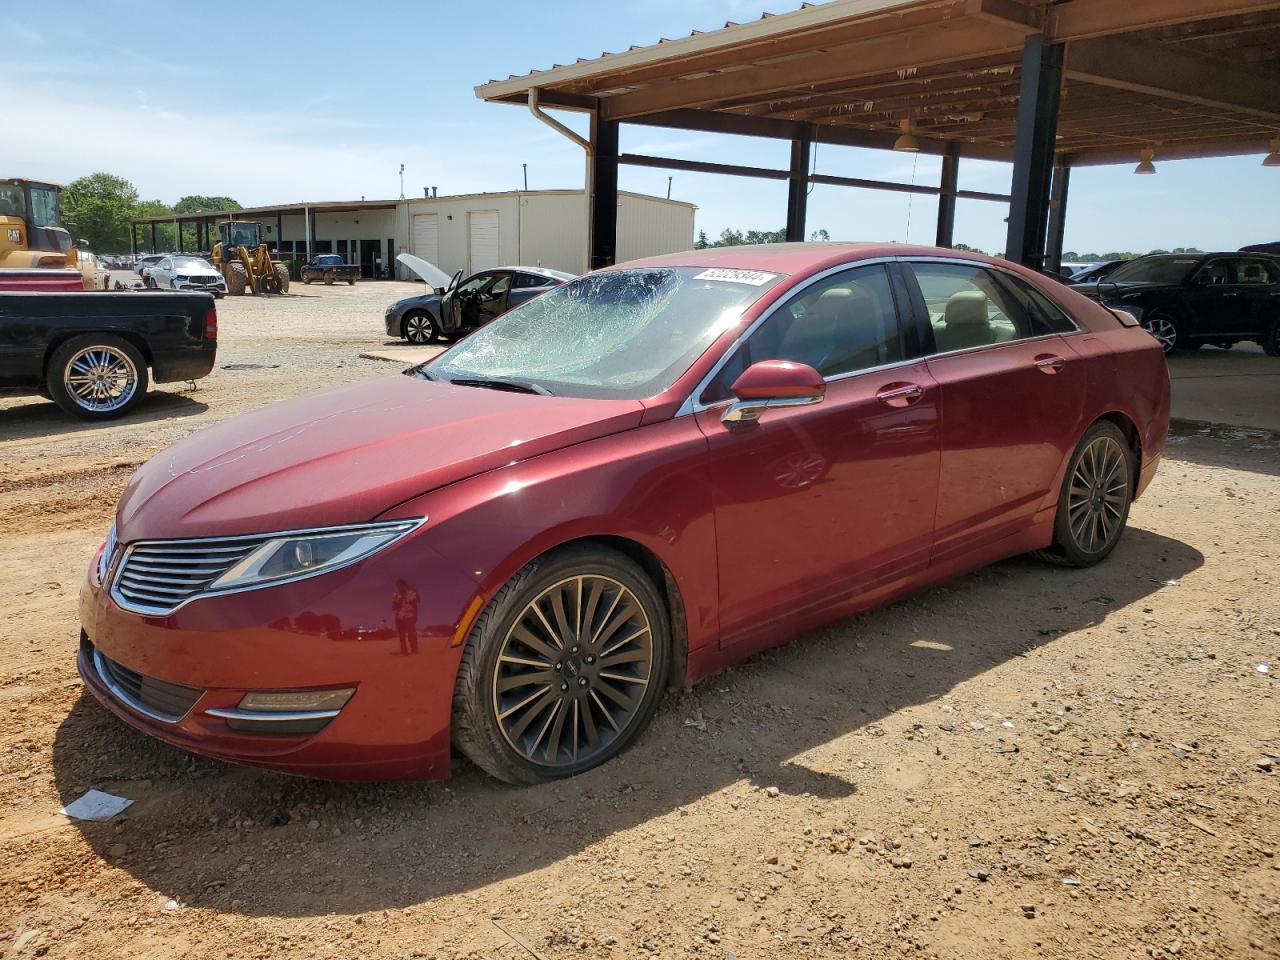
<point x="1258" y="288"/>
<point x="1012" y="393"/>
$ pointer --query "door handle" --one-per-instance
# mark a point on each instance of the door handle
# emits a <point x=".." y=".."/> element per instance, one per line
<point x="1050" y="363"/>
<point x="900" y="394"/>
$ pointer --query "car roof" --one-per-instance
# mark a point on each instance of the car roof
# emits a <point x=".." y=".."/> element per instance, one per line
<point x="800" y="258"/>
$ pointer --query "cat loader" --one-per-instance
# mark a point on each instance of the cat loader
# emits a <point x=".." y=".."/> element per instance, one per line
<point x="244" y="261"/>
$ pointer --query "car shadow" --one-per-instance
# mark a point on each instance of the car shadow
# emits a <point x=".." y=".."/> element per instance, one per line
<point x="251" y="842"/>
<point x="46" y="418"/>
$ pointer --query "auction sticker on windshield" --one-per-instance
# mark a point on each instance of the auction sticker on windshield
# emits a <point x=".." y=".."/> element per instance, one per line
<point x="757" y="278"/>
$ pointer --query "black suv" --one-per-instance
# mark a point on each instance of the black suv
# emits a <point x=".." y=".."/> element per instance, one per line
<point x="1188" y="300"/>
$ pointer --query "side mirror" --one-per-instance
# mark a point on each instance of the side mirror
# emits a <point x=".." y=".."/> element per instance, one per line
<point x="773" y="383"/>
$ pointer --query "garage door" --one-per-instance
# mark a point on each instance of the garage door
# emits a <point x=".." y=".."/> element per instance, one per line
<point x="426" y="237"/>
<point x="484" y="239"/>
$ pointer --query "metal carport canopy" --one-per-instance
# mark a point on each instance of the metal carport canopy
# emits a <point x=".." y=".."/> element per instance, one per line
<point x="1046" y="84"/>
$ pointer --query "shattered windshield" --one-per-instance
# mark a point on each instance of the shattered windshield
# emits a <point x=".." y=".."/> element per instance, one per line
<point x="621" y="334"/>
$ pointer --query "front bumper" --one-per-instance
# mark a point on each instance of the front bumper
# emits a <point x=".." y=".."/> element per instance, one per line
<point x="393" y="323"/>
<point x="181" y="677"/>
<point x="200" y="286"/>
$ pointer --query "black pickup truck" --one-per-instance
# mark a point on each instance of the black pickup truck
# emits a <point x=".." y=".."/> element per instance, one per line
<point x="90" y="352"/>
<point x="330" y="268"/>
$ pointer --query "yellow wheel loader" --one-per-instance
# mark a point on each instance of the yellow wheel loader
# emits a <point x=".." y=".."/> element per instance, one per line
<point x="244" y="261"/>
<point x="33" y="241"/>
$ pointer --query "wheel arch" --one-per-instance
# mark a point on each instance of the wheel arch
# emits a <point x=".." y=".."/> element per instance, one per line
<point x="1132" y="435"/>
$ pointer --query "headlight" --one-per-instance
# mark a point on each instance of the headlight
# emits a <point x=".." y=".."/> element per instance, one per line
<point x="295" y="556"/>
<point x="104" y="558"/>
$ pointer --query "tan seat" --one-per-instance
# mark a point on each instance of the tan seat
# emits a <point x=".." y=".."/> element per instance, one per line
<point x="966" y="323"/>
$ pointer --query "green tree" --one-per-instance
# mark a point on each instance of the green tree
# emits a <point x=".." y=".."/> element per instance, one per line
<point x="702" y="242"/>
<point x="197" y="203"/>
<point x="819" y="236"/>
<point x="97" y="208"/>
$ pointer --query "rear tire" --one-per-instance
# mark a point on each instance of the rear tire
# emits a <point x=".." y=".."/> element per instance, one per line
<point x="1166" y="331"/>
<point x="97" y="376"/>
<point x="282" y="274"/>
<point x="236" y="279"/>
<point x="1271" y="342"/>
<point x="604" y="675"/>
<point x="1093" y="506"/>
<point x="351" y="283"/>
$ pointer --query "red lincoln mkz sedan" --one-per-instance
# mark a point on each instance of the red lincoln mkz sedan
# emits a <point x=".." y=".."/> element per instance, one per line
<point x="623" y="485"/>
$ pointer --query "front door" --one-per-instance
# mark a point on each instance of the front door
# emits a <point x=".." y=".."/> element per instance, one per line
<point x="817" y="504"/>
<point x="1012" y="392"/>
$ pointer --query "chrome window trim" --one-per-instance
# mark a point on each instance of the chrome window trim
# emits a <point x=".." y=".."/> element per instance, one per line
<point x="155" y="611"/>
<point x="122" y="695"/>
<point x="692" y="405"/>
<point x="277" y="716"/>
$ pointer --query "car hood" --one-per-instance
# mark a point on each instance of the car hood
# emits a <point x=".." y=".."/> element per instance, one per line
<point x="349" y="454"/>
<point x="431" y="300"/>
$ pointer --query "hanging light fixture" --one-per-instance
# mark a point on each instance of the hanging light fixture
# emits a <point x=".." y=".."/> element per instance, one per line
<point x="1272" y="159"/>
<point x="1144" y="163"/>
<point x="907" y="142"/>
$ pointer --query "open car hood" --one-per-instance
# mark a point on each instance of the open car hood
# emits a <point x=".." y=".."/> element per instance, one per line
<point x="433" y="275"/>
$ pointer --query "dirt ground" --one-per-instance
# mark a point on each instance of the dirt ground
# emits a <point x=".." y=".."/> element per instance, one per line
<point x="1028" y="762"/>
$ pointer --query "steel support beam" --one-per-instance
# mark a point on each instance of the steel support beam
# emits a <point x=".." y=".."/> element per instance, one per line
<point x="947" y="199"/>
<point x="798" y="187"/>
<point x="133" y="239"/>
<point x="1033" y="154"/>
<point x="153" y="237"/>
<point x="604" y="193"/>
<point x="1057" y="218"/>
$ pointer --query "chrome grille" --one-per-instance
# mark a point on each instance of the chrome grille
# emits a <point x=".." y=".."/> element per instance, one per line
<point x="158" y="576"/>
<point x="158" y="699"/>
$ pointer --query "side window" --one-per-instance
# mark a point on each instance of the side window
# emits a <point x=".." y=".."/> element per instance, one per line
<point x="526" y="280"/>
<point x="845" y="323"/>
<point x="1046" y="316"/>
<point x="1257" y="270"/>
<point x="500" y="285"/>
<point x="1215" y="273"/>
<point x="968" y="307"/>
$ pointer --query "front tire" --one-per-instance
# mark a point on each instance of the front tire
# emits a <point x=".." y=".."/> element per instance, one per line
<point x="420" y="327"/>
<point x="97" y="376"/>
<point x="564" y="668"/>
<point x="1093" y="506"/>
<point x="236" y="279"/>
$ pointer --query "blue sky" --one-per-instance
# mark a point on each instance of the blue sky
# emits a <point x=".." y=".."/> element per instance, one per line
<point x="325" y="101"/>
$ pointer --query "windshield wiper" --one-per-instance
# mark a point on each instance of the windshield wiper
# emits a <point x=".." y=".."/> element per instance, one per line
<point x="495" y="383"/>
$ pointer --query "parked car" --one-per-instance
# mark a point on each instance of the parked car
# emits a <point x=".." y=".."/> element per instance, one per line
<point x="1188" y="300"/>
<point x="90" y="352"/>
<point x="627" y="483"/>
<point x="185" y="272"/>
<point x="94" y="271"/>
<point x="142" y="266"/>
<point x="1093" y="272"/>
<point x="451" y="312"/>
<point x="330" y="268"/>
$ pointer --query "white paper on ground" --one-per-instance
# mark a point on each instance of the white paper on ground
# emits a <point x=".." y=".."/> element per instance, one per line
<point x="96" y="805"/>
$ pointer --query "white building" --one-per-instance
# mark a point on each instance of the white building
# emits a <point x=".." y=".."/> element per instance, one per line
<point x="535" y="227"/>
